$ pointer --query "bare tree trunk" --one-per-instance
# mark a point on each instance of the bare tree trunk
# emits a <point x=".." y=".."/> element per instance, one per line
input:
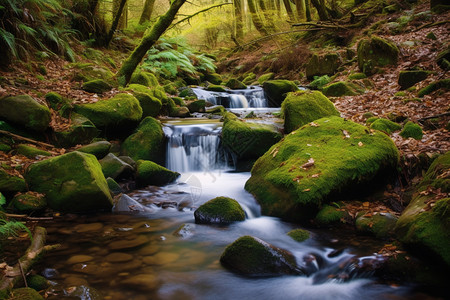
<point x="300" y="5"/>
<point x="123" y="13"/>
<point x="308" y="11"/>
<point x="115" y="23"/>
<point x="321" y="9"/>
<point x="161" y="25"/>
<point x="147" y="11"/>
<point x="238" y="19"/>
<point x="267" y="15"/>
<point x="259" y="25"/>
<point x="287" y="5"/>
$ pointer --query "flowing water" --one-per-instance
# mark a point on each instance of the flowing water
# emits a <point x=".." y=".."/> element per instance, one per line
<point x="253" y="96"/>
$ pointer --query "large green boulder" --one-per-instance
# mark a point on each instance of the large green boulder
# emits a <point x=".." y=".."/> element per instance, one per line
<point x="341" y="88"/>
<point x="407" y="79"/>
<point x="376" y="52"/>
<point x="99" y="149"/>
<point x="72" y="182"/>
<point x="302" y="107"/>
<point x="97" y="86"/>
<point x="119" y="111"/>
<point x="25" y="111"/>
<point x="276" y="91"/>
<point x="146" y="143"/>
<point x="327" y="157"/>
<point x="235" y="84"/>
<point x="252" y="256"/>
<point x="248" y="140"/>
<point x="81" y="131"/>
<point x="319" y="65"/>
<point x="220" y="210"/>
<point x="11" y="183"/>
<point x="114" y="167"/>
<point x="144" y="78"/>
<point x="150" y="173"/>
<point x="28" y="202"/>
<point x="423" y="225"/>
<point x="381" y="225"/>
<point x="197" y="106"/>
<point x="88" y="72"/>
<point x="150" y="104"/>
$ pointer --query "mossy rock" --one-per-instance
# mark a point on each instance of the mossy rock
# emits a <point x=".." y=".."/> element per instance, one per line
<point x="216" y="88"/>
<point x="443" y="59"/>
<point x="302" y="107"/>
<point x="385" y="125"/>
<point x="37" y="282"/>
<point x="150" y="173"/>
<point x="28" y="202"/>
<point x="412" y="130"/>
<point x="58" y="103"/>
<point x="144" y="78"/>
<point x="197" y="106"/>
<point x="26" y="293"/>
<point x="151" y="105"/>
<point x="214" y="78"/>
<point x="357" y="76"/>
<point x="251" y="256"/>
<point x="215" y="109"/>
<point x="72" y="182"/>
<point x="319" y="65"/>
<point x="170" y="89"/>
<point x="88" y="72"/>
<point x="81" y="131"/>
<point x="5" y="147"/>
<point x="113" y="186"/>
<point x="249" y="79"/>
<point x="220" y="210"/>
<point x="320" y="82"/>
<point x="376" y="52"/>
<point x="114" y="167"/>
<point x="179" y="112"/>
<point x="246" y="139"/>
<point x="31" y="114"/>
<point x="288" y="184"/>
<point x="30" y="151"/>
<point x="97" y="86"/>
<point x="407" y="79"/>
<point x="341" y="88"/>
<point x="235" y="84"/>
<point x="146" y="143"/>
<point x="265" y="77"/>
<point x="299" y="235"/>
<point x="178" y="101"/>
<point x="99" y="149"/>
<point x="434" y="86"/>
<point x="422" y="228"/>
<point x="11" y="184"/>
<point x="123" y="110"/>
<point x="378" y="225"/>
<point x="276" y="91"/>
<point x="329" y="215"/>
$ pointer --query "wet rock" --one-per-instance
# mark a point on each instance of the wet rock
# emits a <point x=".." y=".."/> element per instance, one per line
<point x="98" y="149"/>
<point x="254" y="257"/>
<point x="150" y="173"/>
<point x="220" y="210"/>
<point x="84" y="292"/>
<point x="143" y="282"/>
<point x="216" y="88"/>
<point x="89" y="227"/>
<point x="197" y="106"/>
<point x="380" y="225"/>
<point x="161" y="258"/>
<point x="96" y="86"/>
<point x="127" y="204"/>
<point x="117" y="257"/>
<point x="149" y="250"/>
<point x="114" y="167"/>
<point x="31" y="114"/>
<point x="151" y="105"/>
<point x="276" y="91"/>
<point x="235" y="84"/>
<point x="376" y="52"/>
<point x="299" y="235"/>
<point x="28" y="202"/>
<point x="79" y="259"/>
<point x="185" y="231"/>
<point x="128" y="244"/>
<point x="319" y="65"/>
<point x="74" y="281"/>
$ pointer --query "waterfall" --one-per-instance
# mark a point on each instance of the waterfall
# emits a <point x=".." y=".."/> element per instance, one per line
<point x="243" y="98"/>
<point x="195" y="147"/>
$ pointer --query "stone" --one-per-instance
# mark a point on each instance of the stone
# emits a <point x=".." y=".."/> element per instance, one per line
<point x="276" y="91"/>
<point x="99" y="149"/>
<point x="58" y="102"/>
<point x="407" y="79"/>
<point x="235" y="84"/>
<point x="179" y="112"/>
<point x="143" y="282"/>
<point x="381" y="225"/>
<point x="76" y="259"/>
<point x="11" y="183"/>
<point x="37" y="282"/>
<point x="252" y="256"/>
<point x="31" y="114"/>
<point x="161" y="258"/>
<point x="264" y="77"/>
<point x="88" y="72"/>
<point x="185" y="231"/>
<point x="25" y="293"/>
<point x="114" y="187"/>
<point x="118" y="257"/>
<point x="151" y="105"/>
<point x="342" y="88"/>
<point x="434" y="86"/>
<point x="214" y="78"/>
<point x="30" y="151"/>
<point x="125" y="203"/>
<point x="144" y="78"/>
<point x="150" y="173"/>
<point x="319" y="65"/>
<point x="326" y="157"/>
<point x="385" y="125"/>
<point x="97" y="86"/>
<point x="220" y="210"/>
<point x="216" y="88"/>
<point x="376" y="52"/>
<point x="302" y="107"/>
<point x="299" y="235"/>
<point x="28" y="202"/>
<point x="320" y="82"/>
<point x="81" y="131"/>
<point x="114" y="167"/>
<point x="328" y="216"/>
<point x="138" y="241"/>
<point x="72" y="182"/>
<point x="443" y="59"/>
<point x="197" y="106"/>
<point x="412" y="130"/>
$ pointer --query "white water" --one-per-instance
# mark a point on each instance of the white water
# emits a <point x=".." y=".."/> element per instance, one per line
<point x="243" y="98"/>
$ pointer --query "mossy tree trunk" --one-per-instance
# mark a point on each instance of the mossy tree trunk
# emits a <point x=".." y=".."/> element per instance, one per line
<point x="147" y="11"/>
<point x="287" y="5"/>
<point x="321" y="9"/>
<point x="300" y="5"/>
<point x="267" y="15"/>
<point x="259" y="25"/>
<point x="239" y="19"/>
<point x="161" y="25"/>
<point x="308" y="10"/>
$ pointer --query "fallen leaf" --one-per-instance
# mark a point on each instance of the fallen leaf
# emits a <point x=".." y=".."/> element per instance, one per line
<point x="360" y="144"/>
<point x="314" y="124"/>
<point x="308" y="164"/>
<point x="315" y="175"/>
<point x="346" y="135"/>
<point x="306" y="190"/>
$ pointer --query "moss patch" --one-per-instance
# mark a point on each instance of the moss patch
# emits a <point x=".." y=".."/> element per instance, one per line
<point x="10" y="183"/>
<point x="319" y="65"/>
<point x="329" y="215"/>
<point x="98" y="149"/>
<point x="263" y="78"/>
<point x="235" y="84"/>
<point x="299" y="235"/>
<point x="114" y="167"/>
<point x="412" y="130"/>
<point x="97" y="86"/>
<point x="320" y="82"/>
<point x="28" y="202"/>
<point x="407" y="79"/>
<point x="25" y="293"/>
<point x="216" y="88"/>
<point x="220" y="210"/>
<point x="276" y="91"/>
<point x="441" y="84"/>
<point x="379" y="225"/>
<point x="81" y="131"/>
<point x="144" y="78"/>
<point x="376" y="52"/>
<point x="385" y="125"/>
<point x="150" y="173"/>
<point x="341" y="88"/>
<point x="356" y="76"/>
<point x="150" y="104"/>
<point x="31" y="152"/>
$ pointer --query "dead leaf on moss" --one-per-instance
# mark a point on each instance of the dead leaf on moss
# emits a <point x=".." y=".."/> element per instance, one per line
<point x="308" y="164"/>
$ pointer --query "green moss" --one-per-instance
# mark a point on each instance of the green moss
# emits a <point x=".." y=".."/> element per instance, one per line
<point x="265" y="77"/>
<point x="443" y="59"/>
<point x="329" y="215"/>
<point x="98" y="149"/>
<point x="321" y="81"/>
<point x="302" y="107"/>
<point x="299" y="235"/>
<point x="170" y="88"/>
<point x="249" y="79"/>
<point x="58" y="102"/>
<point x="97" y="86"/>
<point x="319" y="65"/>
<point x="114" y="167"/>
<point x="26" y="293"/>
<point x="276" y="91"/>
<point x="81" y="131"/>
<point x="113" y="186"/>
<point x="385" y="125"/>
<point x="368" y="115"/>
<point x="356" y="76"/>
<point x="400" y="94"/>
<point x="214" y="78"/>
<point x="235" y="84"/>
<point x="28" y="202"/>
<point x="379" y="225"/>
<point x="146" y="143"/>
<point x="215" y="88"/>
<point x="88" y="72"/>
<point x="407" y="79"/>
<point x="220" y="210"/>
<point x="412" y="130"/>
<point x="5" y="147"/>
<point x="441" y="84"/>
<point x="151" y="105"/>
<point x="197" y="106"/>
<point x="285" y="189"/>
<point x="341" y="88"/>
<point x="30" y="152"/>
<point x="376" y="52"/>
<point x="371" y="120"/>
<point x="150" y="173"/>
<point x="11" y="184"/>
<point x="144" y="78"/>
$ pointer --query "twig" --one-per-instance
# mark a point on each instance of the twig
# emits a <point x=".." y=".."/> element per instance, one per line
<point x="435" y="116"/>
<point x="23" y="275"/>
<point x="197" y="13"/>
<point x="26" y="217"/>
<point x="25" y="139"/>
<point x="432" y="24"/>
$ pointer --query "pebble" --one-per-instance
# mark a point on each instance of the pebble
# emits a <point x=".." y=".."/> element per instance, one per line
<point x="88" y="227"/>
<point x="161" y="258"/>
<point x="118" y="257"/>
<point x="79" y="259"/>
<point x="145" y="282"/>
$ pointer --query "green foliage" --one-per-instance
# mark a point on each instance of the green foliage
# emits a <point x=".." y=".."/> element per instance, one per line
<point x="11" y="228"/>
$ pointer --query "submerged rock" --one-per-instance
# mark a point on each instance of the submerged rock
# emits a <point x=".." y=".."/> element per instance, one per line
<point x="31" y="114"/>
<point x="254" y="257"/>
<point x="125" y="203"/>
<point x="329" y="156"/>
<point x="220" y="210"/>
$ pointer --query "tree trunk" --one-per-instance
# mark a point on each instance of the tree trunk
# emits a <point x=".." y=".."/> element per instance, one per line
<point x="321" y="9"/>
<point x="267" y="15"/>
<point x="93" y="6"/>
<point x="308" y="11"/>
<point x="259" y="25"/>
<point x="147" y="11"/>
<point x="239" y="19"/>
<point x="287" y="5"/>
<point x="161" y="25"/>
<point x="115" y="23"/>
<point x="123" y="14"/>
<point x="300" y="6"/>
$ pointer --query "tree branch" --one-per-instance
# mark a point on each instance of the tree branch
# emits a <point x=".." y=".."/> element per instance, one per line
<point x="197" y="13"/>
<point x="25" y="139"/>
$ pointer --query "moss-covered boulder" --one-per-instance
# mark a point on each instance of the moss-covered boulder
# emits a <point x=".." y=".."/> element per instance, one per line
<point x="356" y="76"/>
<point x="150" y="173"/>
<point x="179" y="112"/>
<point x="114" y="187"/>
<point x="381" y="225"/>
<point x="250" y="78"/>
<point x="265" y="77"/>
<point x="407" y="79"/>
<point x="37" y="282"/>
<point x="25" y="293"/>
<point x="31" y="151"/>
<point x="58" y="102"/>
<point x="216" y="88"/>
<point x="114" y="167"/>
<point x="72" y="182"/>
<point x="88" y="72"/>
<point x="220" y="210"/>
<point x="412" y="130"/>
<point x="99" y="149"/>
<point x="320" y="81"/>
<point x="423" y="225"/>
<point x="341" y="88"/>
<point x="443" y="84"/>
<point x="319" y="65"/>
<point x="146" y="143"/>
<point x="327" y="157"/>
<point x="197" y="106"/>
<point x="302" y="107"/>
<point x="28" y="202"/>
<point x="252" y="256"/>
<point x="144" y="78"/>
<point x="299" y="235"/>
<point x="385" y="125"/>
<point x="11" y="183"/>
<point x="443" y="59"/>
<point x="214" y="78"/>
<point x="123" y="110"/>
<point x="81" y="131"/>
<point x="376" y="52"/>
<point x="31" y="114"/>
<point x="150" y="104"/>
<point x="276" y="91"/>
<point x="97" y="86"/>
<point x="329" y="215"/>
<point x="246" y="139"/>
<point x="235" y="84"/>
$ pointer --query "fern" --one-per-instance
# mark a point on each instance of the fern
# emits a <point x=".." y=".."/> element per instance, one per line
<point x="12" y="229"/>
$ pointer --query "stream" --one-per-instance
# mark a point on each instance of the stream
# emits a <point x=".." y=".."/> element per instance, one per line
<point x="163" y="254"/>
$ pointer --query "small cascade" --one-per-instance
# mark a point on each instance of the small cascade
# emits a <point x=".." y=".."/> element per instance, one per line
<point x="244" y="98"/>
<point x="195" y="147"/>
